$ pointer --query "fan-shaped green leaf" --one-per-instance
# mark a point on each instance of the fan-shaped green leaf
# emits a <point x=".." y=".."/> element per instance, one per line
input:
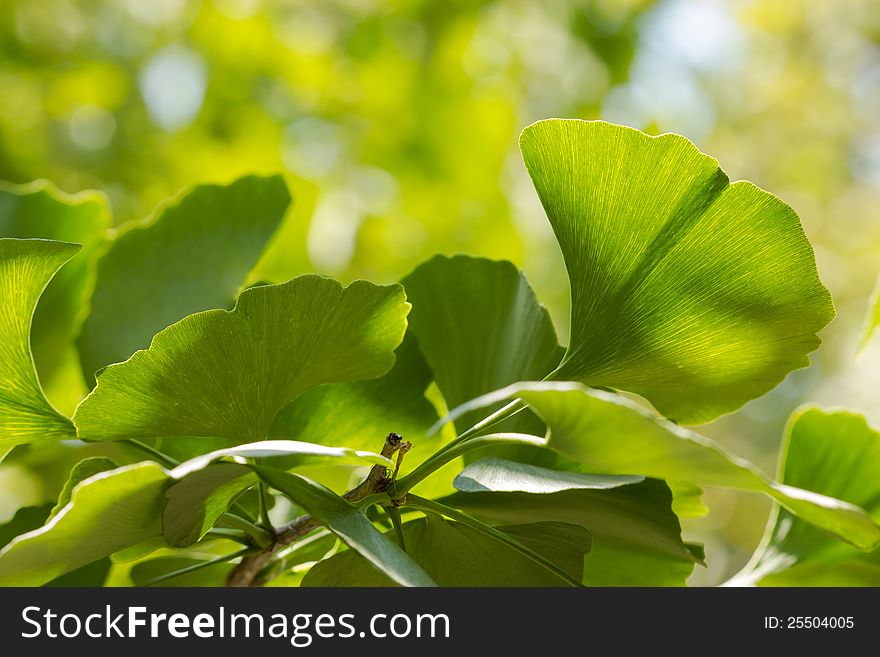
<point x="107" y="512"/>
<point x="362" y="413"/>
<point x="26" y="267"/>
<point x="39" y="210"/>
<point x="456" y="555"/>
<point x="196" y="503"/>
<point x="636" y="536"/>
<point x="195" y="255"/>
<point x="836" y="453"/>
<point x="614" y="435"/>
<point x="480" y="328"/>
<point x="86" y="468"/>
<point x="696" y="293"/>
<point x="228" y="373"/>
<point x="205" y="492"/>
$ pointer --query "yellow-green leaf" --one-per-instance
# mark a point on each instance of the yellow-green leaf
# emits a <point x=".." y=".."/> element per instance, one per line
<point x="26" y="267"/>
<point x="696" y="293"/>
<point x="195" y="255"/>
<point x="227" y="374"/>
<point x="39" y="210"/>
<point x="107" y="512"/>
<point x="611" y="434"/>
<point x="836" y="453"/>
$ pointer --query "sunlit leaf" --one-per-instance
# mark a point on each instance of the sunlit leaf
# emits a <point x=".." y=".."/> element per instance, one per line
<point x="26" y="267"/>
<point x="696" y="293"/>
<point x="39" y="210"/>
<point x="279" y="448"/>
<point x="636" y="536"/>
<point x="614" y="435"/>
<point x="456" y="555"/>
<point x="362" y="413"/>
<point x="227" y="373"/>
<point x="348" y="523"/>
<point x="836" y="453"/>
<point x="108" y="512"/>
<point x="196" y="503"/>
<point x="480" y="327"/>
<point x="195" y="255"/>
<point x="83" y="470"/>
<point x="204" y="492"/>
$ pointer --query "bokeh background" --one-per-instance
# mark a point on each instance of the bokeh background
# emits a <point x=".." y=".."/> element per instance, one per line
<point x="396" y="124"/>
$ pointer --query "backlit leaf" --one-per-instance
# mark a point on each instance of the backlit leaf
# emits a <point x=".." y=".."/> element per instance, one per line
<point x="39" y="210"/>
<point x="205" y="491"/>
<point x="696" y="293"/>
<point x="360" y="414"/>
<point x="227" y="373"/>
<point x="195" y="255"/>
<point x="836" y="453"/>
<point x="26" y="267"/>
<point x="456" y="555"/>
<point x="108" y="512"/>
<point x="614" y="435"/>
<point x="480" y="327"/>
<point x="83" y="470"/>
<point x="636" y="538"/>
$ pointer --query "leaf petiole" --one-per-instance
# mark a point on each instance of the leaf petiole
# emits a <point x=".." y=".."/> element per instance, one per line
<point x="264" y="506"/>
<point x="161" y="457"/>
<point x="190" y="569"/>
<point x="260" y="535"/>
<point x="394" y="513"/>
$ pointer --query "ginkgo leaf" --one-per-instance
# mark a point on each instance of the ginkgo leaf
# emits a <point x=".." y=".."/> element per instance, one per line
<point x="195" y="255"/>
<point x="107" y="512"/>
<point x="360" y="414"/>
<point x="636" y="537"/>
<point x="40" y="210"/>
<point x="693" y="292"/>
<point x="196" y="503"/>
<point x="611" y="434"/>
<point x="836" y="453"/>
<point x="456" y="555"/>
<point x="205" y="490"/>
<point x="227" y="373"/>
<point x="480" y="328"/>
<point x="26" y="267"/>
<point x="86" y="468"/>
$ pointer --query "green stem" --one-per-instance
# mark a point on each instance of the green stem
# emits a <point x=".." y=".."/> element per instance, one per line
<point x="394" y="513"/>
<point x="230" y="535"/>
<point x="189" y="569"/>
<point x="370" y="500"/>
<point x="440" y="457"/>
<point x="261" y="536"/>
<point x="264" y="506"/>
<point x="240" y="510"/>
<point x="164" y="459"/>
<point x="443" y="510"/>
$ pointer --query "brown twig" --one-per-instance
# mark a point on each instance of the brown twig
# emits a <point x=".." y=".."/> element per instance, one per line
<point x="247" y="572"/>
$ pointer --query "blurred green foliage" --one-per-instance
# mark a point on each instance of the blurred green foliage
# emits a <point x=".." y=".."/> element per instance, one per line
<point x="396" y="126"/>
